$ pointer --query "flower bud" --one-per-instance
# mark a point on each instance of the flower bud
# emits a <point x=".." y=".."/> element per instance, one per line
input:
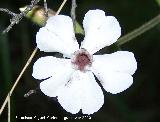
<point x="38" y="15"/>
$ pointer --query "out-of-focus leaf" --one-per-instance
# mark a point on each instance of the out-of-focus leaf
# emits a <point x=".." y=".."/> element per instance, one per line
<point x="158" y="1"/>
<point x="5" y="59"/>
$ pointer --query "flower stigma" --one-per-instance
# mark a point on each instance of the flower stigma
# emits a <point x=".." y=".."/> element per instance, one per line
<point x="82" y="60"/>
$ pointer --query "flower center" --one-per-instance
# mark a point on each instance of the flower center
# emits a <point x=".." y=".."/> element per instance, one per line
<point x="81" y="60"/>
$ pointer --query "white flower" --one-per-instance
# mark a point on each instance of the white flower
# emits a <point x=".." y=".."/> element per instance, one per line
<point x="72" y="79"/>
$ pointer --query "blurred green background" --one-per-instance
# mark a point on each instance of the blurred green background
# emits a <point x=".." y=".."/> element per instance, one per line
<point x="139" y="103"/>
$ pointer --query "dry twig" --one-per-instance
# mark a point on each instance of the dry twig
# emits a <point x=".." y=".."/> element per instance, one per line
<point x="7" y="100"/>
<point x="46" y="8"/>
<point x="73" y="13"/>
<point x="17" y="17"/>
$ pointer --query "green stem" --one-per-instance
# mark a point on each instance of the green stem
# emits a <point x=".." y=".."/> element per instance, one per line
<point x="145" y="27"/>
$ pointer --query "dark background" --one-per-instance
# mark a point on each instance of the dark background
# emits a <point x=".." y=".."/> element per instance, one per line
<point x="139" y="103"/>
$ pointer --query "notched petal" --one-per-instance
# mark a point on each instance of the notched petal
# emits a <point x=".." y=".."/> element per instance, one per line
<point x="100" y="30"/>
<point x="47" y="66"/>
<point x="120" y="61"/>
<point x="59" y="79"/>
<point x="82" y="92"/>
<point x="58" y="70"/>
<point x="115" y="70"/>
<point x="57" y="33"/>
<point x="114" y="82"/>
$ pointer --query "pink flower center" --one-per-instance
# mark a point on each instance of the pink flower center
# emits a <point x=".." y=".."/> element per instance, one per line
<point x="81" y="59"/>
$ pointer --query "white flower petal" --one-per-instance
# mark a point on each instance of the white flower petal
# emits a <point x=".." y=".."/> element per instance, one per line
<point x="93" y="97"/>
<point x="114" y="82"/>
<point x="50" y="86"/>
<point x="100" y="30"/>
<point x="114" y="70"/>
<point x="82" y="92"/>
<point x="46" y="67"/>
<point x="53" y="69"/>
<point x="57" y="36"/>
<point x="120" y="61"/>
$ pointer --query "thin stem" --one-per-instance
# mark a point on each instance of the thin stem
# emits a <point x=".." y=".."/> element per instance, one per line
<point x="46" y="8"/>
<point x="4" y="104"/>
<point x="7" y="11"/>
<point x="73" y="13"/>
<point x="9" y="108"/>
<point x="25" y="67"/>
<point x="18" y="78"/>
<point x="60" y="8"/>
<point x="145" y="27"/>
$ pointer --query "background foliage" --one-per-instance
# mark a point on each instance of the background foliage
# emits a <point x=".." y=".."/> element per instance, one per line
<point x="139" y="103"/>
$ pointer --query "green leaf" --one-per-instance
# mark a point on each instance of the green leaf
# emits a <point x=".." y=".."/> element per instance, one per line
<point x="79" y="29"/>
<point x="158" y="1"/>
